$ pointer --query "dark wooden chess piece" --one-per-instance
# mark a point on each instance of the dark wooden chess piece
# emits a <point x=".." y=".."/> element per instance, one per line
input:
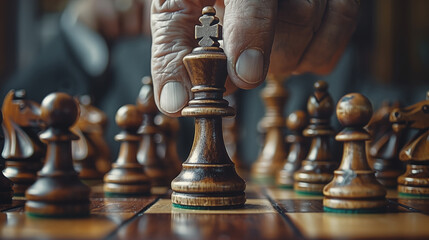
<point x="354" y="188"/>
<point x="208" y="179"/>
<point x="296" y="122"/>
<point x="127" y="176"/>
<point x="58" y="192"/>
<point x="23" y="150"/>
<point x="230" y="136"/>
<point x="273" y="153"/>
<point x="383" y="148"/>
<point x="317" y="169"/>
<point x="415" y="180"/>
<point x="6" y="190"/>
<point x="168" y="144"/>
<point x="90" y="147"/>
<point x="147" y="155"/>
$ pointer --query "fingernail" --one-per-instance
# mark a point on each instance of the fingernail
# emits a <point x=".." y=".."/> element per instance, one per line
<point x="250" y="65"/>
<point x="173" y="97"/>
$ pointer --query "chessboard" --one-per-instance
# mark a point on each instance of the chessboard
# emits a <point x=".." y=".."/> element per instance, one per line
<point x="269" y="213"/>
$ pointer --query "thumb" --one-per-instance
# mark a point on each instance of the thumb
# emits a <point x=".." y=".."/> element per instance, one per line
<point x="248" y="38"/>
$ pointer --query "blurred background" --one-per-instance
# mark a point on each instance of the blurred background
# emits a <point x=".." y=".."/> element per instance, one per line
<point x="389" y="49"/>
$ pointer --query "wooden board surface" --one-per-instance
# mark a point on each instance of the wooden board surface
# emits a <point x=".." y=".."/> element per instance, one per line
<point x="269" y="213"/>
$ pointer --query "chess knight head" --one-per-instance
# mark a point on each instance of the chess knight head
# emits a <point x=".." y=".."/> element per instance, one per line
<point x="415" y="116"/>
<point x="21" y="124"/>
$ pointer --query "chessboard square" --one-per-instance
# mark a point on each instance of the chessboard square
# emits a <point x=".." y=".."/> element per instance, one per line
<point x="386" y="226"/>
<point x="252" y="206"/>
<point x="287" y="194"/>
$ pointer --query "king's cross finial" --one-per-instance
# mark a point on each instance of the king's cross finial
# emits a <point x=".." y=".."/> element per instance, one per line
<point x="210" y="31"/>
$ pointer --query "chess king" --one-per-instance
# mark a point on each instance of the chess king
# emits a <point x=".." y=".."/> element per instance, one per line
<point x="208" y="179"/>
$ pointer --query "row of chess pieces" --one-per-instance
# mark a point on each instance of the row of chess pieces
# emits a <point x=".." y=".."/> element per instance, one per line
<point x="54" y="151"/>
<point x="372" y="156"/>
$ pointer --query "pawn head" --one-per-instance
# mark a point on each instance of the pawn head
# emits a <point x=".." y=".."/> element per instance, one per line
<point x="320" y="103"/>
<point x="297" y="121"/>
<point x="353" y="110"/>
<point x="128" y="117"/>
<point x="59" y="110"/>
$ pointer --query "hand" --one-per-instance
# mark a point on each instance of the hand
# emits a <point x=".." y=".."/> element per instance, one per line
<point x="306" y="36"/>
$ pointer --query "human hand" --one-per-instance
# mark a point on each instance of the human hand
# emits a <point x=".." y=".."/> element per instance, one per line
<point x="306" y="36"/>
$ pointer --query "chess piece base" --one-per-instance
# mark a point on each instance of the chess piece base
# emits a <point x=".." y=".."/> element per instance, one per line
<point x="23" y="175"/>
<point x="285" y="179"/>
<point x="208" y="201"/>
<point x="389" y="179"/>
<point x="57" y="210"/>
<point x="126" y="180"/>
<point x="415" y="180"/>
<point x="313" y="176"/>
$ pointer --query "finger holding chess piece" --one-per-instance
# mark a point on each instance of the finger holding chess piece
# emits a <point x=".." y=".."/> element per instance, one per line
<point x="208" y="179"/>
<point x="127" y="176"/>
<point x="296" y="122"/>
<point x="58" y="192"/>
<point x="415" y="180"/>
<point x="354" y="188"/>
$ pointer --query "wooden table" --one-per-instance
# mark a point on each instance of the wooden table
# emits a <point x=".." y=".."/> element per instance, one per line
<point x="270" y="213"/>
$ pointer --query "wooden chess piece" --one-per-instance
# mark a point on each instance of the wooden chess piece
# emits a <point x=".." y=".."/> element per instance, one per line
<point x="383" y="148"/>
<point x="273" y="153"/>
<point x="91" y="146"/>
<point x="208" y="179"/>
<point x="58" y="192"/>
<point x="6" y="189"/>
<point x="354" y="188"/>
<point x="317" y="169"/>
<point x="296" y="122"/>
<point x="147" y="154"/>
<point x="168" y="144"/>
<point x="127" y="176"/>
<point x="23" y="150"/>
<point x="415" y="180"/>
<point x="230" y="137"/>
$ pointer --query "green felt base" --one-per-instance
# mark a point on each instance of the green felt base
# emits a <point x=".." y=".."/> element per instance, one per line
<point x="263" y="180"/>
<point x="37" y="215"/>
<point x="207" y="207"/>
<point x="363" y="210"/>
<point x="414" y="195"/>
<point x="309" y="193"/>
<point x="124" y="195"/>
<point x="19" y="194"/>
<point x="285" y="186"/>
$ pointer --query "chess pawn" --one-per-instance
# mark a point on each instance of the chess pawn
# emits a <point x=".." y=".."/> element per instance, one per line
<point x="147" y="154"/>
<point x="383" y="148"/>
<point x="317" y="169"/>
<point x="208" y="179"/>
<point x="23" y="150"/>
<point x="273" y="153"/>
<point x="415" y="180"/>
<point x="58" y="192"/>
<point x="127" y="176"/>
<point x="296" y="122"/>
<point x="354" y="187"/>
<point x="168" y="144"/>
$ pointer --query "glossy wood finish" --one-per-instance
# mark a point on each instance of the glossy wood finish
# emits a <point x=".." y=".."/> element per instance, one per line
<point x="383" y="148"/>
<point x="273" y="153"/>
<point x="58" y="192"/>
<point x="91" y="155"/>
<point x="318" y="167"/>
<point x="158" y="172"/>
<point x="127" y="176"/>
<point x="167" y="146"/>
<point x="296" y="122"/>
<point x="23" y="150"/>
<point x="208" y="178"/>
<point x="415" y="154"/>
<point x="354" y="186"/>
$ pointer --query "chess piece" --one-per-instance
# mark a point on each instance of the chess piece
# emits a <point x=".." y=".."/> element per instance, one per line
<point x="6" y="190"/>
<point x="127" y="176"/>
<point x="208" y="179"/>
<point x="58" y="192"/>
<point x="91" y="147"/>
<point x="317" y="169"/>
<point x="296" y="122"/>
<point x="383" y="148"/>
<point x="273" y="153"/>
<point x="23" y="150"/>
<point x="230" y="136"/>
<point x="147" y="154"/>
<point x="415" y="180"/>
<point x="354" y="188"/>
<point x="168" y="144"/>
